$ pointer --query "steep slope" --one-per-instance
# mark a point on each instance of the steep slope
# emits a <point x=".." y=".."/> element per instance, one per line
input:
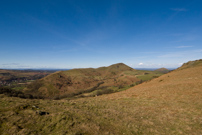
<point x="170" y="104"/>
<point x="77" y="81"/>
<point x="184" y="79"/>
<point x="191" y="64"/>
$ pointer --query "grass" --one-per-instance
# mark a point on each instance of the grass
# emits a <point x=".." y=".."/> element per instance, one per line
<point x="101" y="115"/>
<point x="191" y="64"/>
<point x="105" y="90"/>
<point x="144" y="75"/>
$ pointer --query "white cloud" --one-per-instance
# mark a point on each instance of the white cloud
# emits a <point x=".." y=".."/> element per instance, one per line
<point x="180" y="64"/>
<point x="140" y="64"/>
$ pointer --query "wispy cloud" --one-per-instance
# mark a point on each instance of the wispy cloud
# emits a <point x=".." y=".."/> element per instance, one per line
<point x="184" y="46"/>
<point x="9" y="64"/>
<point x="198" y="51"/>
<point x="156" y="65"/>
<point x="179" y="9"/>
<point x="172" y="55"/>
<point x="188" y="54"/>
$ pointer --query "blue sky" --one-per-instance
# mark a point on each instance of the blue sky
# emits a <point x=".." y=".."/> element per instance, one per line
<point x="94" y="33"/>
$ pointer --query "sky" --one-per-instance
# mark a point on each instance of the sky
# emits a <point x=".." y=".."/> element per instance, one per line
<point x="94" y="33"/>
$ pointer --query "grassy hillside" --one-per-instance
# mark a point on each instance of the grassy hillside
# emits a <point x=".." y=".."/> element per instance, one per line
<point x="191" y="64"/>
<point x="88" y="82"/>
<point x="170" y="104"/>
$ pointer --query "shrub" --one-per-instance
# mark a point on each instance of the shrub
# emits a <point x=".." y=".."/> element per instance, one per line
<point x="106" y="91"/>
<point x="13" y="93"/>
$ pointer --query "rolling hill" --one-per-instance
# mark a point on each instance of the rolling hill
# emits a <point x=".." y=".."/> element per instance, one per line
<point x="170" y="104"/>
<point x="162" y="70"/>
<point x="78" y="81"/>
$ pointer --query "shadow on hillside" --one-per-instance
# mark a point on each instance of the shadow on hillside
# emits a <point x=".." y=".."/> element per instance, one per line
<point x="13" y="93"/>
<point x="34" y="94"/>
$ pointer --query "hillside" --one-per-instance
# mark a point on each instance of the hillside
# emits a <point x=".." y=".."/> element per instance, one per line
<point x="170" y="104"/>
<point x="85" y="82"/>
<point x="191" y="64"/>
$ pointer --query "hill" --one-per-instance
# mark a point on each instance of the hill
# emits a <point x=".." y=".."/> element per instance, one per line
<point x="162" y="70"/>
<point x="169" y="104"/>
<point x="79" y="81"/>
<point x="191" y="64"/>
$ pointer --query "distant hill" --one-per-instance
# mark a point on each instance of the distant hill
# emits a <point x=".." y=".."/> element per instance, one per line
<point x="78" y="81"/>
<point x="162" y="70"/>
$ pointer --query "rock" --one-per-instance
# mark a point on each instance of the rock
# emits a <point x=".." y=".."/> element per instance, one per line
<point x="42" y="113"/>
